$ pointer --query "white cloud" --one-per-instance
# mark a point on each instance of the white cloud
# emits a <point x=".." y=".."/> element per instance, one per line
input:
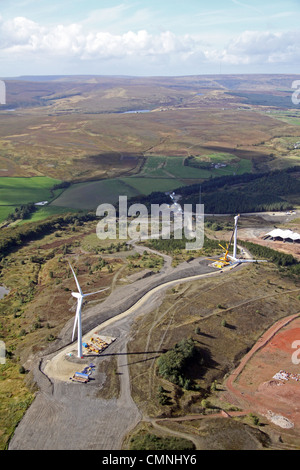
<point x="18" y="31"/>
<point x="255" y="47"/>
<point x="23" y="35"/>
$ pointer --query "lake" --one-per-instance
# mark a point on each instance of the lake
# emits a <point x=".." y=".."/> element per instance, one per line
<point x="137" y="111"/>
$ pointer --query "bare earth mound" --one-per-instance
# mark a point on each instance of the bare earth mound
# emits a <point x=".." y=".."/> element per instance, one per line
<point x="270" y="380"/>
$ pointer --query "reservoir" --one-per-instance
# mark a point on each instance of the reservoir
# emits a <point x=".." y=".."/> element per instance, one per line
<point x="137" y="111"/>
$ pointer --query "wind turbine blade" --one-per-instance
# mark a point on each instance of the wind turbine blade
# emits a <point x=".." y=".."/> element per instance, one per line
<point x="76" y="280"/>
<point x="75" y="322"/>
<point x="253" y="261"/>
<point x="79" y="303"/>
<point x="97" y="292"/>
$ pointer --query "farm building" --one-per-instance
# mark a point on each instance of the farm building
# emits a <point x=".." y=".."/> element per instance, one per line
<point x="283" y="235"/>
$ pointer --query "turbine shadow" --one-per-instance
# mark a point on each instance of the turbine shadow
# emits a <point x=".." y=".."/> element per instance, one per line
<point x="155" y="355"/>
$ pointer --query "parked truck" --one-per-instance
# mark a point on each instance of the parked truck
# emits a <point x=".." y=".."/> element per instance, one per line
<point x="80" y="377"/>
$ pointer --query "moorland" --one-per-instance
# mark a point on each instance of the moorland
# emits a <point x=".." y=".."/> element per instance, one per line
<point x="76" y="142"/>
<point x="143" y="134"/>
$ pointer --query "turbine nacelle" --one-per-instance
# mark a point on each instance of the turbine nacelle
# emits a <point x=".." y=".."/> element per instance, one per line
<point x="77" y="295"/>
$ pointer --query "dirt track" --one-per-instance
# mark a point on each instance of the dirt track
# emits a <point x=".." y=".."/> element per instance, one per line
<point x="257" y="390"/>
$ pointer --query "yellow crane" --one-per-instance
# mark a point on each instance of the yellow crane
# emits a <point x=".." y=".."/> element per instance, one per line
<point x="224" y="260"/>
<point x="232" y="260"/>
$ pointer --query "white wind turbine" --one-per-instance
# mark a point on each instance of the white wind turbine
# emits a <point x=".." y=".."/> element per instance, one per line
<point x="80" y="296"/>
<point x="232" y="260"/>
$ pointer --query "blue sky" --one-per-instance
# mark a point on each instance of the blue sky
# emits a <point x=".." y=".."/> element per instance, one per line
<point x="149" y="37"/>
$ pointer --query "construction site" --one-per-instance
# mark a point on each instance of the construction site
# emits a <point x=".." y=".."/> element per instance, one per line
<point x="93" y="347"/>
<point x="97" y="344"/>
<point x="145" y="318"/>
<point x="259" y="384"/>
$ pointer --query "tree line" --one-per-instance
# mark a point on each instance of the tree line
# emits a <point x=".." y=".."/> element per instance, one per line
<point x="12" y="237"/>
<point x="22" y="212"/>
<point x="171" y="245"/>
<point x="282" y="260"/>
<point x="249" y="192"/>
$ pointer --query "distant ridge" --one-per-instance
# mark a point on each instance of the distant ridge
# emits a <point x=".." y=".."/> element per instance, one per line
<point x="48" y="78"/>
<point x="217" y="77"/>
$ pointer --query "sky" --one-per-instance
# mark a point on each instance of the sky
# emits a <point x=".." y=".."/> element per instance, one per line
<point x="148" y="37"/>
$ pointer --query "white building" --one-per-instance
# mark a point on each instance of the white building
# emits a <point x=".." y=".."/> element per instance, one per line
<point x="283" y="235"/>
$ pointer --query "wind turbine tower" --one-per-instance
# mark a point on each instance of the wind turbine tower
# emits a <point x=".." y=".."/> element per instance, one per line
<point x="236" y="218"/>
<point x="79" y="296"/>
<point x="232" y="260"/>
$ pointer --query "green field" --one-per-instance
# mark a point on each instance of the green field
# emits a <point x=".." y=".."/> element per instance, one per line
<point x="90" y="195"/>
<point x="146" y="186"/>
<point x="158" y="174"/>
<point x="46" y="211"/>
<point x="17" y="191"/>
<point x="164" y="167"/>
<point x="5" y="211"/>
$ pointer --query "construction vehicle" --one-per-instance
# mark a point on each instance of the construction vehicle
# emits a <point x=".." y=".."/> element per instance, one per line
<point x="232" y="260"/>
<point x="80" y="377"/>
<point x="224" y="260"/>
